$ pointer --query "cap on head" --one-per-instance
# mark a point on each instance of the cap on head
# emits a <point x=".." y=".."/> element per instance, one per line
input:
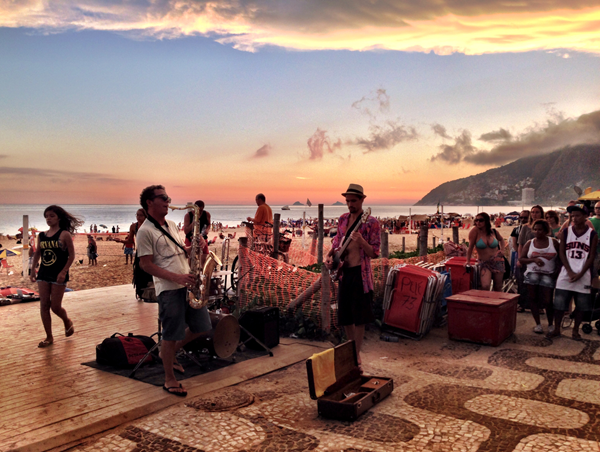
<point x="355" y="189"/>
<point x="579" y="208"/>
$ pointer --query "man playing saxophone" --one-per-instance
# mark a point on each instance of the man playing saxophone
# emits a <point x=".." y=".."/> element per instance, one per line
<point x="163" y="255"/>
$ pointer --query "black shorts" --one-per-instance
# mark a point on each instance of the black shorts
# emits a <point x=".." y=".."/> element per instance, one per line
<point x="354" y="305"/>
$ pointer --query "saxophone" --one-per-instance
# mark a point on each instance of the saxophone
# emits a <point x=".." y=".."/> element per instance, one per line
<point x="198" y="294"/>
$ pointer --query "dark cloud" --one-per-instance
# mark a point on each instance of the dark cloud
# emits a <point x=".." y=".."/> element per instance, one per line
<point x="496" y="135"/>
<point x="455" y="153"/>
<point x="557" y="132"/>
<point x="386" y="136"/>
<point x="380" y="100"/>
<point x="58" y="176"/>
<point x="440" y="130"/>
<point x="262" y="151"/>
<point x="319" y="143"/>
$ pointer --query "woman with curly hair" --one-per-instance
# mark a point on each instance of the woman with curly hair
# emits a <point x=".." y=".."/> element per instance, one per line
<point x="490" y="251"/>
<point x="57" y="253"/>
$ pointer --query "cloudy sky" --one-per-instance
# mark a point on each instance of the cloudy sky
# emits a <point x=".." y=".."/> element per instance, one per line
<point x="223" y="99"/>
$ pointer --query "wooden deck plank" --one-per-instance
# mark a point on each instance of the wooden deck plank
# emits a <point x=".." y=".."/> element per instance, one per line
<point x="58" y="401"/>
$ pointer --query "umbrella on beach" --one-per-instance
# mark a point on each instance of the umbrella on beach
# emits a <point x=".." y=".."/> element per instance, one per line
<point x="7" y="253"/>
<point x="103" y="226"/>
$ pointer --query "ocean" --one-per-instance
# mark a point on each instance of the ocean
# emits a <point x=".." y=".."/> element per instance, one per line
<point x="11" y="215"/>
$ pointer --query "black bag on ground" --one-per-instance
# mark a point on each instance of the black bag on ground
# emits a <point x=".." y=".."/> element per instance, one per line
<point x="124" y="351"/>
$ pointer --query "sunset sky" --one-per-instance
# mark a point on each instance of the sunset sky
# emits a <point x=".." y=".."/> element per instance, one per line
<point x="221" y="100"/>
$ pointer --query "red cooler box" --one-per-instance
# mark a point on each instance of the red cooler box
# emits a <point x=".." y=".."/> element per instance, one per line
<point x="481" y="316"/>
<point x="461" y="280"/>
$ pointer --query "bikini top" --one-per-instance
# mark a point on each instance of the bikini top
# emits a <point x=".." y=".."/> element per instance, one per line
<point x="481" y="244"/>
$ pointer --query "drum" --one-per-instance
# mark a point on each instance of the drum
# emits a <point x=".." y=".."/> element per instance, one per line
<point x="222" y="340"/>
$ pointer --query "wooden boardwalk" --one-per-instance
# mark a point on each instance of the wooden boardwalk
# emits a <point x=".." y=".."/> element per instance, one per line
<point x="48" y="399"/>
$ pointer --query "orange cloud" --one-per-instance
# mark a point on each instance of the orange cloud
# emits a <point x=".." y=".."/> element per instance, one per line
<point x="487" y="27"/>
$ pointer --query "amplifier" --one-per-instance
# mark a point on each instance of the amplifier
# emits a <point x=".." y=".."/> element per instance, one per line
<point x="262" y="323"/>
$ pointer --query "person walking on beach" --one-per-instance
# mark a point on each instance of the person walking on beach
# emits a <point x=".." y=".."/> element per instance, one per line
<point x="490" y="252"/>
<point x="355" y="295"/>
<point x="92" y="251"/>
<point x="577" y="250"/>
<point x="263" y="215"/>
<point x="162" y="254"/>
<point x="57" y="253"/>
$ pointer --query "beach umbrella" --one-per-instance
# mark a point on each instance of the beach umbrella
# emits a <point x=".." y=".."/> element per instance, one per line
<point x="7" y="253"/>
<point x="591" y="196"/>
<point x="103" y="226"/>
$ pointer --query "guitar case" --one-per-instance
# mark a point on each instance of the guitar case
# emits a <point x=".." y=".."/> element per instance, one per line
<point x="351" y="394"/>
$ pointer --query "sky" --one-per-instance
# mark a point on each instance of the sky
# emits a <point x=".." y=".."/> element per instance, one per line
<point x="220" y="100"/>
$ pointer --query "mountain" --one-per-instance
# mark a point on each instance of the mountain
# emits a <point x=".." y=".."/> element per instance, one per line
<point x="551" y="175"/>
<point x="297" y="203"/>
<point x="338" y="203"/>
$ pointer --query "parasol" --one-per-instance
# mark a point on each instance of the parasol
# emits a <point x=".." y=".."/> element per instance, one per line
<point x="103" y="226"/>
<point x="7" y="253"/>
<point x="592" y="196"/>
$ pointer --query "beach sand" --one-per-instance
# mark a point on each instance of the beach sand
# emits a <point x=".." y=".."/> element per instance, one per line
<point x="111" y="269"/>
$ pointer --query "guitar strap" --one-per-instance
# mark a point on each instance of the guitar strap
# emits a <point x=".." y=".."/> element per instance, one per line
<point x="160" y="228"/>
<point x="350" y="230"/>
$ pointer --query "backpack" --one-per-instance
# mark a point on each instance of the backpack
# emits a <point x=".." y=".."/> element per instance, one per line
<point x="124" y="351"/>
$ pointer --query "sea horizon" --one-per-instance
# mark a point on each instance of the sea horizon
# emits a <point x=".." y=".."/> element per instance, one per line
<point x="123" y="215"/>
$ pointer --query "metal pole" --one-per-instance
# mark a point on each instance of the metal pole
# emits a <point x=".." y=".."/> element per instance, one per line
<point x="442" y="223"/>
<point x="320" y="231"/>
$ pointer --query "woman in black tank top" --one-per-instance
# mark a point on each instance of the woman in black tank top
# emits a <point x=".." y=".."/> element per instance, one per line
<point x="56" y="251"/>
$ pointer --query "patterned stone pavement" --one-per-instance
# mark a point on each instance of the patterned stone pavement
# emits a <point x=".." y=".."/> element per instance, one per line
<point x="528" y="395"/>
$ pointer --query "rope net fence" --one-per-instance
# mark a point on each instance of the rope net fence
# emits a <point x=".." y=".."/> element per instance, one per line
<point x="265" y="281"/>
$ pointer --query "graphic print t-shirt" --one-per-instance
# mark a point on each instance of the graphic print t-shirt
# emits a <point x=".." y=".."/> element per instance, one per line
<point x="166" y="255"/>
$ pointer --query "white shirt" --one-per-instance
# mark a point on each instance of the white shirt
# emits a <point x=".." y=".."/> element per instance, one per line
<point x="577" y="251"/>
<point x="166" y="255"/>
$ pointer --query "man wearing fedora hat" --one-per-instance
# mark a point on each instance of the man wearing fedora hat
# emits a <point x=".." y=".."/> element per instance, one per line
<point x="355" y="294"/>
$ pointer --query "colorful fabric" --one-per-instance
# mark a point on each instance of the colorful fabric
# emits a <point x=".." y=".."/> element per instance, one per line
<point x="495" y="264"/>
<point x="371" y="232"/>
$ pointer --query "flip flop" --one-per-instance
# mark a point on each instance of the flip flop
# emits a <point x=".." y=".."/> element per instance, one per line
<point x="69" y="331"/>
<point x="576" y="336"/>
<point x="554" y="335"/>
<point x="45" y="343"/>
<point x="172" y="390"/>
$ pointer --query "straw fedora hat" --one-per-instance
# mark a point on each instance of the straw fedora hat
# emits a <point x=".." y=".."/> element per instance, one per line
<point x="355" y="189"/>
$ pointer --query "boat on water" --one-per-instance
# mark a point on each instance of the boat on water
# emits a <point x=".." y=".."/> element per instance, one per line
<point x="286" y="208"/>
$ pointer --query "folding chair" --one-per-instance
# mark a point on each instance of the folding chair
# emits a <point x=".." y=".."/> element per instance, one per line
<point x="6" y="266"/>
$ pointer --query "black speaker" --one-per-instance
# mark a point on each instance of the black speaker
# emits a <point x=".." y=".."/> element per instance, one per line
<point x="262" y="323"/>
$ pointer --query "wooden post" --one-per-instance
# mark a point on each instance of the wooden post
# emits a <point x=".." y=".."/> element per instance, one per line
<point x="320" y="231"/>
<point x="423" y="240"/>
<point x="433" y="241"/>
<point x="385" y="248"/>
<point x="276" y="220"/>
<point x="325" y="300"/>
<point x="25" y="242"/>
<point x="404" y="244"/>
<point x="299" y="301"/>
<point x="455" y="234"/>
<point x="242" y="270"/>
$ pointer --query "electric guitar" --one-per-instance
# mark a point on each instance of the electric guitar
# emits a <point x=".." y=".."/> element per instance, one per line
<point x="337" y="263"/>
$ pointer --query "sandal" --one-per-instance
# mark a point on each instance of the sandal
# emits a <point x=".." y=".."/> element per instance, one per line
<point x="576" y="336"/>
<point x="45" y="343"/>
<point x="553" y="335"/>
<point x="69" y="331"/>
<point x="173" y="390"/>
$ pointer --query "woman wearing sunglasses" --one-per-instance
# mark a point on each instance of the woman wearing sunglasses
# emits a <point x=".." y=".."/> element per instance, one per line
<point x="490" y="252"/>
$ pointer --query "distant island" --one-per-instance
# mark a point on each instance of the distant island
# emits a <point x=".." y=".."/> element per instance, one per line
<point x="552" y="176"/>
<point x="338" y="203"/>
<point x="297" y="203"/>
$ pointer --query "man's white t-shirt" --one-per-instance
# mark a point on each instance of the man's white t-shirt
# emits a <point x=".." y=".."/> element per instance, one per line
<point x="166" y="255"/>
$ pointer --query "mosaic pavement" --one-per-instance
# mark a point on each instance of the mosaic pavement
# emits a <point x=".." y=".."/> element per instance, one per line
<point x="528" y="395"/>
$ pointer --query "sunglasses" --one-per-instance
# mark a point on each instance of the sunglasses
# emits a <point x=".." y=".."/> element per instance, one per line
<point x="479" y="220"/>
<point x="163" y="197"/>
<point x="523" y="218"/>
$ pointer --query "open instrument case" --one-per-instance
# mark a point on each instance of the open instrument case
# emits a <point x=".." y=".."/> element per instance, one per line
<point x="350" y="394"/>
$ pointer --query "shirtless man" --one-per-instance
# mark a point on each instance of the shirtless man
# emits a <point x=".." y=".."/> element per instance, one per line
<point x="356" y="285"/>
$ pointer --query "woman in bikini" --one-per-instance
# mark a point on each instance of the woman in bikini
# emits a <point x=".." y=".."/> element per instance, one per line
<point x="490" y="252"/>
<point x="57" y="253"/>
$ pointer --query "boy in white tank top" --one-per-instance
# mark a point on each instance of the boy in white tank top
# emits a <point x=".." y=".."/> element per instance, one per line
<point x="577" y="251"/>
